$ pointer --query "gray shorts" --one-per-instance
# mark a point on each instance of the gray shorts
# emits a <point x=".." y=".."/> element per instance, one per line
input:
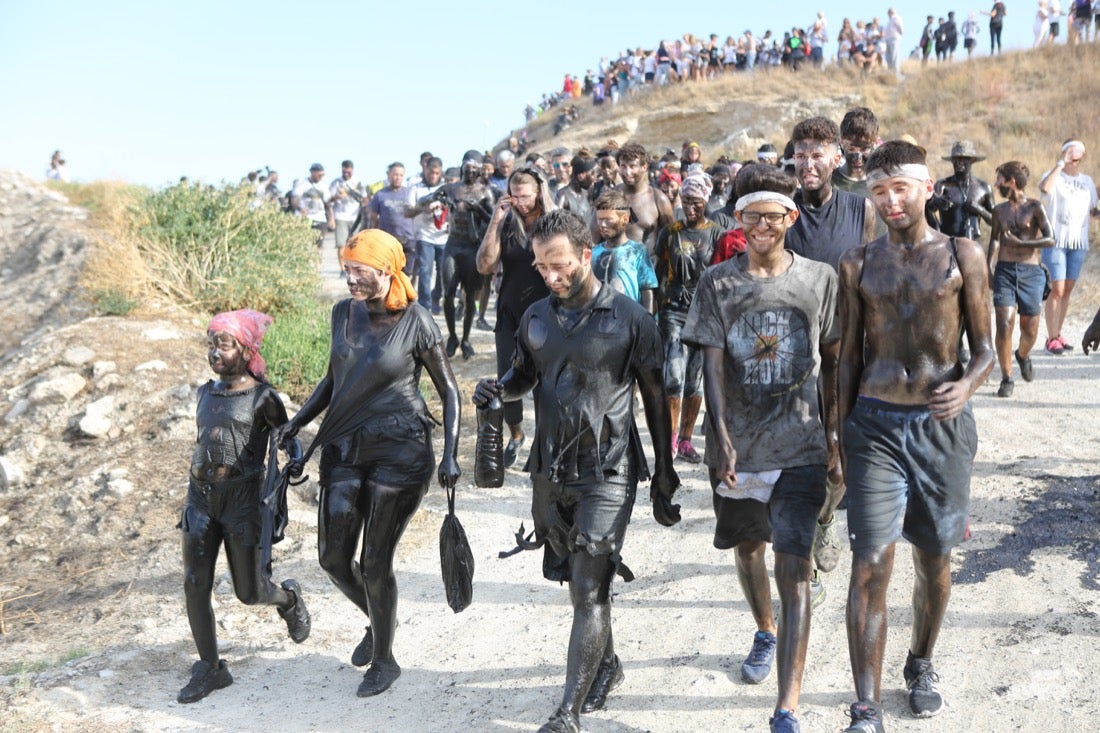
<point x="908" y="475"/>
<point x="586" y="514"/>
<point x="1018" y="285"/>
<point x="788" y="520"/>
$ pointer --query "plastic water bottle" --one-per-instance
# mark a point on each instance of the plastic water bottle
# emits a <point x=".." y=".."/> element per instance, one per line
<point x="489" y="452"/>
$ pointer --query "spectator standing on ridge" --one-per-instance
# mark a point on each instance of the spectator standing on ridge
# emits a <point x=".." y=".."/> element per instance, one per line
<point x="927" y="40"/>
<point x="311" y="199"/>
<point x="1069" y="197"/>
<point x="996" y="24"/>
<point x="970" y="31"/>
<point x="1020" y="231"/>
<point x="895" y="30"/>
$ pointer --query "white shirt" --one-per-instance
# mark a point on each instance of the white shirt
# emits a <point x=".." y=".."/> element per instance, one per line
<point x="346" y="208"/>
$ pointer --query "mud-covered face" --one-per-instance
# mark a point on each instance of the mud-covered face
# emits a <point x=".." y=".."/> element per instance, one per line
<point x="855" y="157"/>
<point x="366" y="283"/>
<point x="633" y="171"/>
<point x="560" y="267"/>
<point x="900" y="200"/>
<point x="225" y="354"/>
<point x="611" y="223"/>
<point x="814" y="163"/>
<point x="765" y="224"/>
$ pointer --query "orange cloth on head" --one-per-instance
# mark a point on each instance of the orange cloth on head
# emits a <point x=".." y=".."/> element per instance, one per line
<point x="381" y="250"/>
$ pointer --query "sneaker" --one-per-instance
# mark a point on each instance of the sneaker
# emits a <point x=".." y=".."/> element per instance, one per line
<point x="817" y="590"/>
<point x="467" y="350"/>
<point x="452" y="345"/>
<point x="1027" y="371"/>
<point x="364" y="652"/>
<point x="608" y="677"/>
<point x="686" y="451"/>
<point x="1005" y="390"/>
<point x="205" y="678"/>
<point x="784" y="722"/>
<point x="1054" y="346"/>
<point x="865" y="719"/>
<point x="297" y="616"/>
<point x="1066" y="345"/>
<point x="378" y="678"/>
<point x="758" y="665"/>
<point x="482" y="325"/>
<point x="925" y="699"/>
<point x="511" y="451"/>
<point x="563" y="721"/>
<point x="826" y="546"/>
<point x="436" y="308"/>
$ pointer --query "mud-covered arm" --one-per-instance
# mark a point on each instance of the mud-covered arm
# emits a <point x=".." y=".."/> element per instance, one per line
<point x="664" y="483"/>
<point x="443" y="378"/>
<point x="317" y="401"/>
<point x="850" y="360"/>
<point x="714" y="391"/>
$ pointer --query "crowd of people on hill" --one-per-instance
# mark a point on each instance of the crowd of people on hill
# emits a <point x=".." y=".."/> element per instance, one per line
<point x="766" y="290"/>
<point x="866" y="44"/>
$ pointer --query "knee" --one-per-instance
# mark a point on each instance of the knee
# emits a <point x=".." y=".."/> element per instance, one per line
<point x="749" y="553"/>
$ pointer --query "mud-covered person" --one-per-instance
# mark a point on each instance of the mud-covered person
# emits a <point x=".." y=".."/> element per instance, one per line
<point x="376" y="445"/>
<point x="650" y="208"/>
<point x="581" y="351"/>
<point x="909" y="438"/>
<point x="1020" y="232"/>
<point x="235" y="416"/>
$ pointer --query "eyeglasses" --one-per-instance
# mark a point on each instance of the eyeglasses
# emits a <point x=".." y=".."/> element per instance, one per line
<point x="772" y="218"/>
<point x="562" y="165"/>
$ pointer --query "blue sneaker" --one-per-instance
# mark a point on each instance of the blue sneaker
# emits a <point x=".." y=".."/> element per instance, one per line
<point x="784" y="722"/>
<point x="758" y="665"/>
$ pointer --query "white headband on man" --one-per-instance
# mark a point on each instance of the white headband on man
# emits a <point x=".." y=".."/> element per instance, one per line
<point x="771" y="196"/>
<point x="908" y="170"/>
<point x="1073" y="144"/>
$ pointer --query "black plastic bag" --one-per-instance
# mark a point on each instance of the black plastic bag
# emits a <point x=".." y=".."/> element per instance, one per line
<point x="456" y="559"/>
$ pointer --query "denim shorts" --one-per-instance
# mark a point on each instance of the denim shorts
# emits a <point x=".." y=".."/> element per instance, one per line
<point x="788" y="520"/>
<point x="1064" y="264"/>
<point x="908" y="475"/>
<point x="1018" y="285"/>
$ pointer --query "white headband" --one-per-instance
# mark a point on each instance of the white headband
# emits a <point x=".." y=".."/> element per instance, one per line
<point x="909" y="170"/>
<point x="1073" y="144"/>
<point x="771" y="196"/>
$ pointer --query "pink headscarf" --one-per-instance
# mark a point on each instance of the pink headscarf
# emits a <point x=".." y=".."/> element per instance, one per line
<point x="248" y="327"/>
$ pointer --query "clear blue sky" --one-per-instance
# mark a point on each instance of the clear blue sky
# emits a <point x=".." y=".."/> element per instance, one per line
<point x="148" y="91"/>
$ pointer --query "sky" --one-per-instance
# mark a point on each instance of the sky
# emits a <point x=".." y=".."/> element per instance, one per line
<point x="146" y="92"/>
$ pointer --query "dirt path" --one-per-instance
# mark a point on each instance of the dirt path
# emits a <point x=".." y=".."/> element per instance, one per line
<point x="1018" y="651"/>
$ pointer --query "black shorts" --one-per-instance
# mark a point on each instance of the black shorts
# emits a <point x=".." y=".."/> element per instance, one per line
<point x="908" y="475"/>
<point x="390" y="450"/>
<point x="1019" y="285"/>
<point x="232" y="503"/>
<point x="587" y="514"/>
<point x="460" y="266"/>
<point x="788" y="520"/>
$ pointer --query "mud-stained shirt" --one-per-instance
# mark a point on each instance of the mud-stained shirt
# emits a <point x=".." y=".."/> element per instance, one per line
<point x="584" y="378"/>
<point x="230" y="432"/>
<point x="769" y="330"/>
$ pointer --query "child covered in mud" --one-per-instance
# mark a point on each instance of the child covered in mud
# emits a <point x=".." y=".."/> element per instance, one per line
<point x="236" y="413"/>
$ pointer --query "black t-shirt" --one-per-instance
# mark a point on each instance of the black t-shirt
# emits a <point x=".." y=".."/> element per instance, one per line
<point x="520" y="283"/>
<point x="824" y="234"/>
<point x="682" y="254"/>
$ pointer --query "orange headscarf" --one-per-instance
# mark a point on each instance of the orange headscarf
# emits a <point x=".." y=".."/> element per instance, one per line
<point x="381" y="250"/>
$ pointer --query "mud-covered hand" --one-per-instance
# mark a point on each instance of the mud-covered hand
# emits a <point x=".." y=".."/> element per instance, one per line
<point x="449" y="472"/>
<point x="486" y="390"/>
<point x="661" y="489"/>
<point x="285" y="433"/>
<point x="1091" y="339"/>
<point x="294" y="464"/>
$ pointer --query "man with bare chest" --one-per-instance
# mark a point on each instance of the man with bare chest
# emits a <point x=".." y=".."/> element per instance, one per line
<point x="1020" y="231"/>
<point x="650" y="209"/>
<point x="909" y="437"/>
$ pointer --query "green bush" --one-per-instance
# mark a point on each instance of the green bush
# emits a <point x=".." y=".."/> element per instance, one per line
<point x="296" y="348"/>
<point x="216" y="249"/>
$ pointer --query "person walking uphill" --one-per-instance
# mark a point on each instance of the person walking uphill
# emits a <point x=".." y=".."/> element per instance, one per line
<point x="582" y="350"/>
<point x="235" y="415"/>
<point x="375" y="440"/>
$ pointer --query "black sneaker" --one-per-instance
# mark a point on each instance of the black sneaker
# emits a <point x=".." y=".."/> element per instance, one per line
<point x="205" y="678"/>
<point x="563" y="721"/>
<point x="758" y="665"/>
<point x="1005" y="390"/>
<point x="297" y="616"/>
<point x="364" y="652"/>
<point x="784" y="722"/>
<point x="511" y="451"/>
<point x="452" y="345"/>
<point x="608" y="677"/>
<point x="482" y="325"/>
<point x="925" y="699"/>
<point x="378" y="678"/>
<point x="865" y="719"/>
<point x="467" y="350"/>
<point x="1027" y="370"/>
